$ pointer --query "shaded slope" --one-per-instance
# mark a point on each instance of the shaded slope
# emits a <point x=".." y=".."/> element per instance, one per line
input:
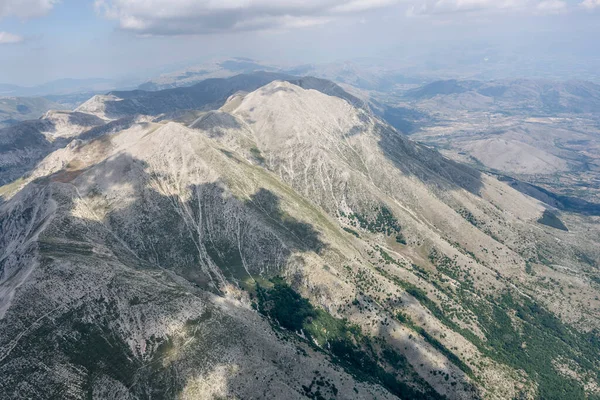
<point x="24" y="144"/>
<point x="154" y="217"/>
<point x="153" y="242"/>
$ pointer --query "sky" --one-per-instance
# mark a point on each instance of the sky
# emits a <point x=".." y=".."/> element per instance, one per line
<point x="44" y="40"/>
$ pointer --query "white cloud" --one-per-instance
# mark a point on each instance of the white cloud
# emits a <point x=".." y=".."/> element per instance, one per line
<point x="176" y="17"/>
<point x="590" y="4"/>
<point x="10" y="38"/>
<point x="551" y="6"/>
<point x="180" y="17"/>
<point x="26" y="8"/>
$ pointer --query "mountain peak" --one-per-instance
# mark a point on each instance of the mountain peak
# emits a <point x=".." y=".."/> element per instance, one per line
<point x="297" y="112"/>
<point x="96" y="105"/>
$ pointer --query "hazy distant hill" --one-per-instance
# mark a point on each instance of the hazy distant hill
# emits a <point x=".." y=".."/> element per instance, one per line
<point x="60" y="87"/>
<point x="214" y="69"/>
<point x="534" y="96"/>
<point x="369" y="76"/>
<point x="15" y="109"/>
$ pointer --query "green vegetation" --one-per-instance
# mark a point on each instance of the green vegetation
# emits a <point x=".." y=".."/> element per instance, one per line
<point x="529" y="268"/>
<point x="533" y="340"/>
<point x="383" y="222"/>
<point x="451" y="269"/>
<point x="401" y="239"/>
<point x="345" y="342"/>
<point x="386" y="257"/>
<point x="453" y="358"/>
<point x="534" y="343"/>
<point x="467" y="215"/>
<point x="257" y="155"/>
<point x="351" y="231"/>
<point x="422" y="298"/>
<point x="405" y="319"/>
<point x="319" y="387"/>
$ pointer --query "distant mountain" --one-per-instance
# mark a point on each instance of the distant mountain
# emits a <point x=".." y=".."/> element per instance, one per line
<point x="16" y="109"/>
<point x="8" y="89"/>
<point x="60" y="87"/>
<point x="523" y="95"/>
<point x="441" y="88"/>
<point x="369" y="76"/>
<point x="215" y="69"/>
<point x="360" y="75"/>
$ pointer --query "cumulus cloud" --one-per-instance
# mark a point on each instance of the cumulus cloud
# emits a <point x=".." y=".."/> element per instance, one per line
<point x="177" y="17"/>
<point x="551" y="6"/>
<point x="590" y="4"/>
<point x="26" y="8"/>
<point x="10" y="38"/>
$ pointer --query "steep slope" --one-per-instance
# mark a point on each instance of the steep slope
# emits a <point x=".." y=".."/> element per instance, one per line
<point x="335" y="155"/>
<point x="23" y="145"/>
<point x="286" y="245"/>
<point x="120" y="257"/>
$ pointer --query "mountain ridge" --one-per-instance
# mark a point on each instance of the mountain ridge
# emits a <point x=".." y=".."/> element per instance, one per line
<point x="179" y="249"/>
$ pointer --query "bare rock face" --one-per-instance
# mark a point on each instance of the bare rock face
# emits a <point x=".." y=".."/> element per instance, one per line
<point x="286" y="245"/>
<point x="24" y="144"/>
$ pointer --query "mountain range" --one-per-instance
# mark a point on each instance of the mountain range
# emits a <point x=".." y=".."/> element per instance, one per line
<point x="270" y="236"/>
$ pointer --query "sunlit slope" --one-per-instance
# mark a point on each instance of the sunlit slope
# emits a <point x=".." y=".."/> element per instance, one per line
<point x="289" y="245"/>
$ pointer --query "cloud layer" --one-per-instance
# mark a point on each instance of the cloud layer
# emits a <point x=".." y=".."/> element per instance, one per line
<point x="26" y="8"/>
<point x="9" y="38"/>
<point x="178" y="17"/>
<point x="591" y="4"/>
<point x="175" y="17"/>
